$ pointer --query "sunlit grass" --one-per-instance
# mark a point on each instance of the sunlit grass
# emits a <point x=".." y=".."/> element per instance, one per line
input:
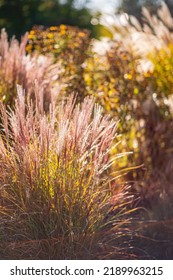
<point x="55" y="194"/>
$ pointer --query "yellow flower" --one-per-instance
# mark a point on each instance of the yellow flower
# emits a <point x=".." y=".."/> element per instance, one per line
<point x="63" y="27"/>
<point x="50" y="35"/>
<point x="81" y="34"/>
<point x="31" y="36"/>
<point x="53" y="28"/>
<point x="128" y="76"/>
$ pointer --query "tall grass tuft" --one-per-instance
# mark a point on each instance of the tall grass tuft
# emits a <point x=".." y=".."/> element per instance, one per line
<point x="55" y="197"/>
<point x="16" y="67"/>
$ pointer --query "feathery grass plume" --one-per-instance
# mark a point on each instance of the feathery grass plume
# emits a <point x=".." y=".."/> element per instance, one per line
<point x="55" y="199"/>
<point x="18" y="68"/>
<point x="154" y="33"/>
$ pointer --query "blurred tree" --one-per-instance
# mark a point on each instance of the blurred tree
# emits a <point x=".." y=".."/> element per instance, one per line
<point x="18" y="16"/>
<point x="170" y="5"/>
<point x="134" y="7"/>
<point x="130" y="7"/>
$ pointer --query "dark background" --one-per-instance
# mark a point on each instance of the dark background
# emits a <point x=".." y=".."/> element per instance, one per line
<point x="19" y="16"/>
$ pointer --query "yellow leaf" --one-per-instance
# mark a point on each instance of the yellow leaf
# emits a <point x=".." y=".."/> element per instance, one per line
<point x="136" y="90"/>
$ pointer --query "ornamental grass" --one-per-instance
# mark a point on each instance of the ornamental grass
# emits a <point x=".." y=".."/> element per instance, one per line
<point x="56" y="197"/>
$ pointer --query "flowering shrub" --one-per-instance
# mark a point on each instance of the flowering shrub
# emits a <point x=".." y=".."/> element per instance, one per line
<point x="150" y="111"/>
<point x="120" y="87"/>
<point x="69" y="46"/>
<point x="60" y="40"/>
<point x="132" y="80"/>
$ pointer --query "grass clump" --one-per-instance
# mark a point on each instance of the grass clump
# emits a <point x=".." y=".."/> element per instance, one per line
<point x="18" y="67"/>
<point x="55" y="195"/>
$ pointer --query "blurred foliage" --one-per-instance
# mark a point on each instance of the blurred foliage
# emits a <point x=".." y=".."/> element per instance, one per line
<point x="60" y="40"/>
<point x="162" y="84"/>
<point x="69" y="46"/>
<point x="134" y="7"/>
<point x="117" y="84"/>
<point x="141" y="101"/>
<point x="163" y="67"/>
<point x="134" y="84"/>
<point x="130" y="7"/>
<point x="18" y="16"/>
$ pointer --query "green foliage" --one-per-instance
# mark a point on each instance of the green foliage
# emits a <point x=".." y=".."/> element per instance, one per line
<point x="45" y="12"/>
